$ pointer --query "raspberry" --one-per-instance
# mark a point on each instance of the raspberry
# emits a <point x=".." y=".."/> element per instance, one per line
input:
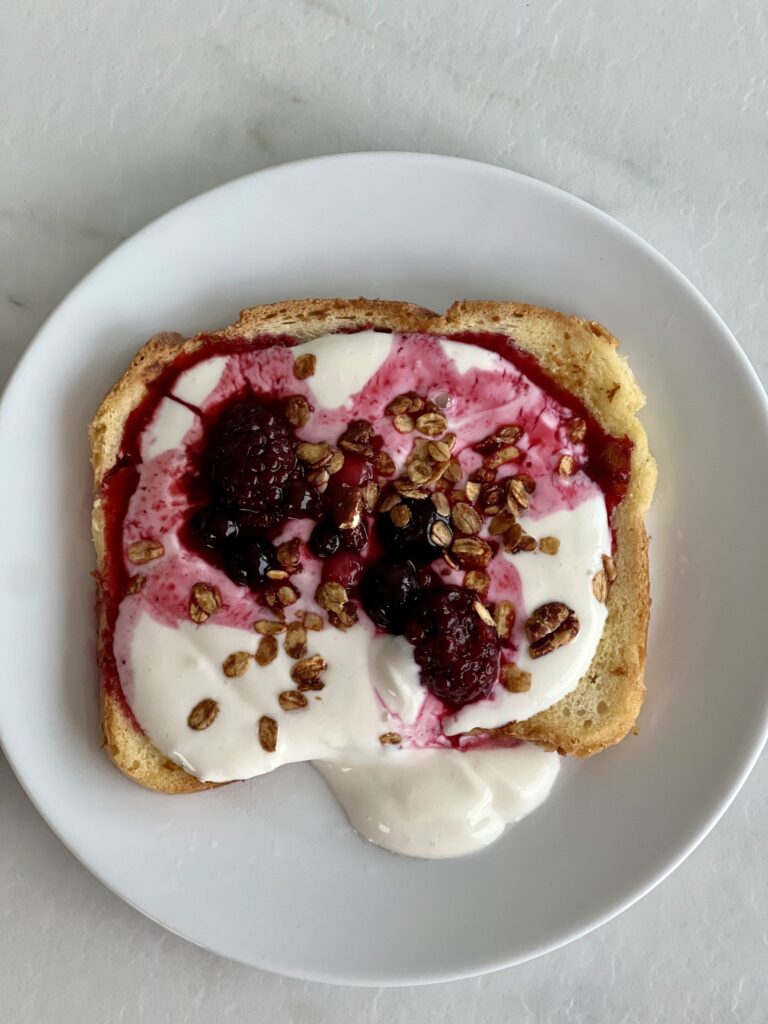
<point x="413" y="541"/>
<point x="457" y="653"/>
<point x="386" y="593"/>
<point x="252" y="460"/>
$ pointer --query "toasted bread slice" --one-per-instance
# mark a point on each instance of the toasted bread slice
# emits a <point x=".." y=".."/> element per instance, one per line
<point x="582" y="357"/>
<point x="130" y="750"/>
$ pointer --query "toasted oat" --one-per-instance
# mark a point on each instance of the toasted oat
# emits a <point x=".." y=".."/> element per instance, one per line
<point x="343" y="617"/>
<point x="203" y="714"/>
<point x="439" y="451"/>
<point x="471" y="552"/>
<point x="286" y="595"/>
<point x="486" y="474"/>
<point x="288" y="553"/>
<point x="390" y="738"/>
<point x="304" y="366"/>
<point x="473" y="491"/>
<point x="565" y="466"/>
<point x="142" y="551"/>
<point x="196" y="613"/>
<point x="136" y="584"/>
<point x="384" y="464"/>
<point x="331" y="596"/>
<point x="477" y="580"/>
<point x="500" y="523"/>
<point x="504" y="617"/>
<point x="506" y="454"/>
<point x="549" y="545"/>
<point x="296" y="640"/>
<point x="268" y="733"/>
<point x="441" y="503"/>
<point x="297" y="410"/>
<point x="419" y="472"/>
<point x="483" y="613"/>
<point x="403" y="423"/>
<point x="370" y="495"/>
<point x="409" y="402"/>
<point x="465" y="518"/>
<point x="268" y="627"/>
<point x="549" y="627"/>
<point x="311" y="684"/>
<point x="312" y="621"/>
<point x="610" y="568"/>
<point x="319" y="479"/>
<point x="515" y="679"/>
<point x="517" y="490"/>
<point x="336" y="463"/>
<point x="491" y="498"/>
<point x="516" y="539"/>
<point x="449" y="560"/>
<point x="432" y="424"/>
<point x="292" y="700"/>
<point x="308" y="669"/>
<point x="400" y="515"/>
<point x="266" y="652"/>
<point x="389" y="501"/>
<point x="315" y="455"/>
<point x="409" y="490"/>
<point x="453" y="472"/>
<point x="577" y="429"/>
<point x="441" y="534"/>
<point x="276" y="574"/>
<point x="600" y="586"/>
<point x="236" y="664"/>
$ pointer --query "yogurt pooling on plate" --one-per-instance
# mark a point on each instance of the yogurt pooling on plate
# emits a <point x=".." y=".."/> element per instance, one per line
<point x="216" y="639"/>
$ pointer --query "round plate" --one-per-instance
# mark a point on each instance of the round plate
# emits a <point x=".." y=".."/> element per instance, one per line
<point x="268" y="872"/>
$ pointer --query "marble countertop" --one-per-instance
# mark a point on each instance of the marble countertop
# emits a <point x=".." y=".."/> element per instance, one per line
<point x="113" y="114"/>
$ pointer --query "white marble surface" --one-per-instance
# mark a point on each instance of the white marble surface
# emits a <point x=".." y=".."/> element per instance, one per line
<point x="111" y="114"/>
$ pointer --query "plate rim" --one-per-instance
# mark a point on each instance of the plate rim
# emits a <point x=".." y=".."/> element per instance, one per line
<point x="736" y="352"/>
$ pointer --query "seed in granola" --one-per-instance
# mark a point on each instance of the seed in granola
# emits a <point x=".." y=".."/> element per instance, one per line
<point x="549" y="627"/>
<point x="266" y="652"/>
<point x="577" y="429"/>
<point x="308" y="669"/>
<point x="549" y="545"/>
<point x="453" y="471"/>
<point x="277" y="574"/>
<point x="441" y="534"/>
<point x="297" y="410"/>
<point x="236" y="664"/>
<point x="409" y="490"/>
<point x="483" y="613"/>
<point x="504" y="617"/>
<point x="304" y="366"/>
<point x="403" y="423"/>
<point x="410" y="402"/>
<point x="515" y="679"/>
<point x="400" y="515"/>
<point x="288" y="552"/>
<point x="565" y="466"/>
<point x="370" y="495"/>
<point x="287" y="595"/>
<point x="315" y="455"/>
<point x="268" y="627"/>
<point x="600" y="586"/>
<point x="268" y="733"/>
<point x="311" y="684"/>
<point x="203" y="714"/>
<point x="441" y="503"/>
<point x="390" y="737"/>
<point x="465" y="518"/>
<point x="136" y="584"/>
<point x="292" y="700"/>
<point x="471" y="552"/>
<point x="142" y="551"/>
<point x="439" y="451"/>
<point x="384" y="464"/>
<point x="312" y="621"/>
<point x="330" y="596"/>
<point x="477" y="580"/>
<point x="296" y="640"/>
<point x="610" y="568"/>
<point x="431" y="423"/>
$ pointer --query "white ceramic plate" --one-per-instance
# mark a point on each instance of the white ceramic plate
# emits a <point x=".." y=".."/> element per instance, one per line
<point x="268" y="872"/>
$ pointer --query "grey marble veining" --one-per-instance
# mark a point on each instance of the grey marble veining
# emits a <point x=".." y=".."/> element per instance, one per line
<point x="112" y="114"/>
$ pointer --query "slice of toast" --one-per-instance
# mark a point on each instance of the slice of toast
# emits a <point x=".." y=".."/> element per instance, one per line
<point x="130" y="750"/>
<point x="581" y="357"/>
